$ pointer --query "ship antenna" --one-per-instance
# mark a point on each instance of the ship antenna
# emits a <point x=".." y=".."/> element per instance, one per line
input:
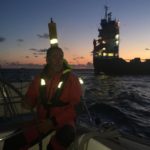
<point x="106" y="10"/>
<point x="52" y="20"/>
<point x="109" y="16"/>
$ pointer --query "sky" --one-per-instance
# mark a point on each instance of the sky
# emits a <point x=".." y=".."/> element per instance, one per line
<point x="24" y="29"/>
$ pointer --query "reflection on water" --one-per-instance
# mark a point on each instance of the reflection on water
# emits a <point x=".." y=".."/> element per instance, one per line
<point x="124" y="100"/>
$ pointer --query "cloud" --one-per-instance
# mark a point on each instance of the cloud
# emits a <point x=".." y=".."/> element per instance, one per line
<point x="38" y="50"/>
<point x="26" y="56"/>
<point x="147" y="48"/>
<point x="65" y="48"/>
<point x="81" y="57"/>
<point x="21" y="65"/>
<point x="78" y="58"/>
<point x="20" y="40"/>
<point x="44" y="36"/>
<point x="2" y="39"/>
<point x="33" y="49"/>
<point x="42" y="50"/>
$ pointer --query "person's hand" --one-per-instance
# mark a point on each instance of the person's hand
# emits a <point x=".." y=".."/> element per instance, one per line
<point x="45" y="125"/>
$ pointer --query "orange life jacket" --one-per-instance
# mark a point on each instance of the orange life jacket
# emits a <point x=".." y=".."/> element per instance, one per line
<point x="55" y="101"/>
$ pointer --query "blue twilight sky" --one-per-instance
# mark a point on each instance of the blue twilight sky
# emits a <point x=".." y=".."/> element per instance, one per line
<point x="24" y="28"/>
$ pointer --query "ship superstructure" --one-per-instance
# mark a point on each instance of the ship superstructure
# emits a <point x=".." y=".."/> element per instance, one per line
<point x="106" y="51"/>
<point x="107" y="44"/>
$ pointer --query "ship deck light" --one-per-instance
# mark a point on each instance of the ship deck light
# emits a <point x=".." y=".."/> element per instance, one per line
<point x="104" y="42"/>
<point x="117" y="42"/>
<point x="117" y="36"/>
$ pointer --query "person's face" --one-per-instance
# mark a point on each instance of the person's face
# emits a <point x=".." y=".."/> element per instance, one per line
<point x="55" y="61"/>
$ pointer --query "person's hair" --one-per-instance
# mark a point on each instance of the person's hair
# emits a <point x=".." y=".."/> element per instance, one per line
<point x="51" y="50"/>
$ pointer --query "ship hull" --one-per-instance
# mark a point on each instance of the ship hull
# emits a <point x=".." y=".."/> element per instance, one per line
<point x="118" y="66"/>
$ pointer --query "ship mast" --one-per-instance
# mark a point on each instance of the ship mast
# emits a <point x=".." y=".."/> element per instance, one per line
<point x="106" y="12"/>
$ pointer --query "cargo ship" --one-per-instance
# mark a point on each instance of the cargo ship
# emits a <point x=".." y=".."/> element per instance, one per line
<point x="106" y="51"/>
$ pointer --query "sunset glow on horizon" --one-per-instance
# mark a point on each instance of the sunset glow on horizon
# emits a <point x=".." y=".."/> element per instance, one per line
<point x="24" y="29"/>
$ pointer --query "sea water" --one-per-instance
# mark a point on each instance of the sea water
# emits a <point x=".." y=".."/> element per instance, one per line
<point x="123" y="100"/>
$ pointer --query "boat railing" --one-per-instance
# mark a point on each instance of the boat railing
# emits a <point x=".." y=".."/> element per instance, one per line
<point x="11" y="97"/>
<point x="39" y="144"/>
<point x="10" y="108"/>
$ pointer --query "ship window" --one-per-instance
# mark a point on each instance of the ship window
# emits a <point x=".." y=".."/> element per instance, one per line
<point x="100" y="54"/>
<point x="110" y="54"/>
<point x="104" y="54"/>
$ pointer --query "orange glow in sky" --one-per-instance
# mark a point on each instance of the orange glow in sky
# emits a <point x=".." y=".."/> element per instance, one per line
<point x="24" y="29"/>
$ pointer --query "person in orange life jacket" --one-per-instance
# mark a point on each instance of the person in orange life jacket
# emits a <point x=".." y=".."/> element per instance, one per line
<point x="55" y="107"/>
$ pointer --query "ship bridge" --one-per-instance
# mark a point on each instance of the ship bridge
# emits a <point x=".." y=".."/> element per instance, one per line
<point x="107" y="44"/>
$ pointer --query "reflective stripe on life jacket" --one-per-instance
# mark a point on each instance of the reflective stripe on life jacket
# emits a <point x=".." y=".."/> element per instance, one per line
<point x="55" y="101"/>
